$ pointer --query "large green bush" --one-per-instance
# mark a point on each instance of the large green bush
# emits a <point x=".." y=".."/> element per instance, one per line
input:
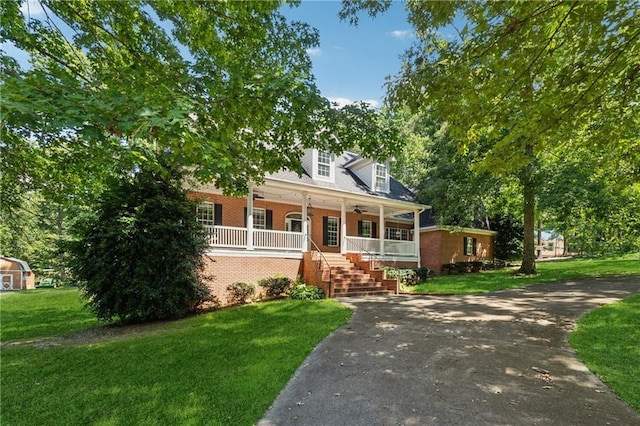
<point x="139" y="257"/>
<point x="276" y="285"/>
<point x="302" y="291"/>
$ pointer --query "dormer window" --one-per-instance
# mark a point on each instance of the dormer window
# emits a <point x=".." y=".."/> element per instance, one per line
<point x="323" y="166"/>
<point x="381" y="177"/>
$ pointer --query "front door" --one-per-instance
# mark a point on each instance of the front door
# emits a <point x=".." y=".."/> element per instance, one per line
<point x="7" y="282"/>
<point x="295" y="225"/>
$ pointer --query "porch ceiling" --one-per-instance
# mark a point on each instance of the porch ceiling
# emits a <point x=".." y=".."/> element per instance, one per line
<point x="279" y="195"/>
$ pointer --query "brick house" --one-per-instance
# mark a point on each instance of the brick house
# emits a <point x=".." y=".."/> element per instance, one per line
<point x="333" y="226"/>
<point x="441" y="245"/>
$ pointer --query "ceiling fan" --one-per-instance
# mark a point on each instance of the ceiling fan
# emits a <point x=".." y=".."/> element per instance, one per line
<point x="359" y="209"/>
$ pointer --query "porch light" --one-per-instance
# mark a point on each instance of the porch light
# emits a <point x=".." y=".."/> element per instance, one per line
<point x="309" y="210"/>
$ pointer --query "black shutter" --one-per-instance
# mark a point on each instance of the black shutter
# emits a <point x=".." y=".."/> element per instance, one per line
<point x="325" y="226"/>
<point x="269" y="219"/>
<point x="374" y="230"/>
<point x="245" y="217"/>
<point x="217" y="214"/>
<point x="359" y="228"/>
<point x="475" y="250"/>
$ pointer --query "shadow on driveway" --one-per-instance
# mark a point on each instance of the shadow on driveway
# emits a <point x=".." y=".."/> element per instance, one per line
<point x="500" y="359"/>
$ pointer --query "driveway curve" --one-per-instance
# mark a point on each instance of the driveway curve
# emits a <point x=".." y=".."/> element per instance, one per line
<point x="501" y="358"/>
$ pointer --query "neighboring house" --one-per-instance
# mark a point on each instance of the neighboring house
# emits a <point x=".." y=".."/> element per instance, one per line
<point x="15" y="274"/>
<point x="442" y="245"/>
<point x="329" y="226"/>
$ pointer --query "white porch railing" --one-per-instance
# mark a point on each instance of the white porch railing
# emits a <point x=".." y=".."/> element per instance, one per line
<point x="399" y="248"/>
<point x="362" y="244"/>
<point x="234" y="237"/>
<point x="281" y="240"/>
<point x="267" y="239"/>
<point x="372" y="246"/>
<point x="226" y="236"/>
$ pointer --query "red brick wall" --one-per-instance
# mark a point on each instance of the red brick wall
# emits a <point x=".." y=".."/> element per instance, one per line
<point x="439" y="247"/>
<point x="228" y="270"/>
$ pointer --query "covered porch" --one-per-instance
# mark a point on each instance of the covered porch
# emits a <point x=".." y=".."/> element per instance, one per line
<point x="280" y="222"/>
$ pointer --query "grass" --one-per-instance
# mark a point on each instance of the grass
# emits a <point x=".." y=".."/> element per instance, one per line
<point x="563" y="270"/>
<point x="607" y="340"/>
<point x="43" y="313"/>
<point x="224" y="367"/>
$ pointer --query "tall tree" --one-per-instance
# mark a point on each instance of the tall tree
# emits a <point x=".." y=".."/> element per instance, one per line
<point x="224" y="87"/>
<point x="525" y="76"/>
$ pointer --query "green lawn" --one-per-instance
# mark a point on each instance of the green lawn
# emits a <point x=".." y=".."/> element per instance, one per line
<point x="563" y="270"/>
<point x="607" y="340"/>
<point x="224" y="367"/>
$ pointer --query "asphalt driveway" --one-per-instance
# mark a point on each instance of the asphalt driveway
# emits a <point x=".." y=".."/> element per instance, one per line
<point x="499" y="359"/>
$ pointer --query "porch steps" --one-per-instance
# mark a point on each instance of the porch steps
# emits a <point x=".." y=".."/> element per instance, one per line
<point x="349" y="280"/>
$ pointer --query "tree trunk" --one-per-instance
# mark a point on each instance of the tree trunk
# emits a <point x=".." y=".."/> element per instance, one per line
<point x="539" y="243"/>
<point x="528" y="189"/>
<point x="61" y="259"/>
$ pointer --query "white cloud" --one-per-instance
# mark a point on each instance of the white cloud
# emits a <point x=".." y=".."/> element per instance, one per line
<point x="344" y="102"/>
<point x="314" y="51"/>
<point x="31" y="8"/>
<point x="401" y="34"/>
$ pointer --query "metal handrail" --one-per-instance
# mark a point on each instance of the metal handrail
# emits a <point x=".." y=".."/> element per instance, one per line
<point x="362" y="249"/>
<point x="325" y="261"/>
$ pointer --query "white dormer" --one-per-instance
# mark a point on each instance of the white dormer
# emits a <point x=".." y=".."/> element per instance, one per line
<point x="373" y="173"/>
<point x="380" y="177"/>
<point x="323" y="165"/>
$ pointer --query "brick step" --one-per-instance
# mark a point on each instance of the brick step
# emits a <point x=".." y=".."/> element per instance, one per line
<point x="354" y="285"/>
<point x="352" y="274"/>
<point x="363" y="293"/>
<point x="348" y="289"/>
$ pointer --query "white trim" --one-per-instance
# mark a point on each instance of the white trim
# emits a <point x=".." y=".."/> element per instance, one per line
<point x="254" y="253"/>
<point x="457" y="230"/>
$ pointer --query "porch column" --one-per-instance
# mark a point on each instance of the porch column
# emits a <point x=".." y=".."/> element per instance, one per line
<point x="343" y="226"/>
<point x="250" y="219"/>
<point x="416" y="234"/>
<point x="305" y="222"/>
<point x="382" y="231"/>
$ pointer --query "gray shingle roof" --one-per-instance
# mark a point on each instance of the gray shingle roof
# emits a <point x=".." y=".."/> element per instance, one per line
<point x="345" y="180"/>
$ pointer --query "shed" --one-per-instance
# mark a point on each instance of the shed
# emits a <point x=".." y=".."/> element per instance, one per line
<point x="15" y="274"/>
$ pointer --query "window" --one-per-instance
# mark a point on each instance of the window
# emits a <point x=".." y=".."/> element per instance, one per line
<point x="209" y="214"/>
<point x="469" y="246"/>
<point x="382" y="177"/>
<point x="397" y="234"/>
<point x="324" y="164"/>
<point x="330" y="235"/>
<point x="259" y="219"/>
<point x="365" y="229"/>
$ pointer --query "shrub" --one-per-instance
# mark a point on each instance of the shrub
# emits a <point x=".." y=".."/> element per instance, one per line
<point x="423" y="273"/>
<point x="239" y="292"/>
<point x="276" y="285"/>
<point x="405" y="276"/>
<point x="138" y="257"/>
<point x="306" y="292"/>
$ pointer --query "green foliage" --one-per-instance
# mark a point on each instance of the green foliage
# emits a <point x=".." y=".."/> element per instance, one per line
<point x="139" y="257"/>
<point x="301" y="291"/>
<point x="276" y="285"/>
<point x="606" y="340"/>
<point x="153" y="373"/>
<point x="509" y="238"/>
<point x="564" y="270"/>
<point x="215" y="85"/>
<point x="404" y="275"/>
<point x="239" y="292"/>
<point x="522" y="79"/>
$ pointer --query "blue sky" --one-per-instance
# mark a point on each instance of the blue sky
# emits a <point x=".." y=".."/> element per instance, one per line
<point x="352" y="62"/>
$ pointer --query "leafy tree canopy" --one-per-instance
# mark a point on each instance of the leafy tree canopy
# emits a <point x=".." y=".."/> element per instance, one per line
<point x="224" y="87"/>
